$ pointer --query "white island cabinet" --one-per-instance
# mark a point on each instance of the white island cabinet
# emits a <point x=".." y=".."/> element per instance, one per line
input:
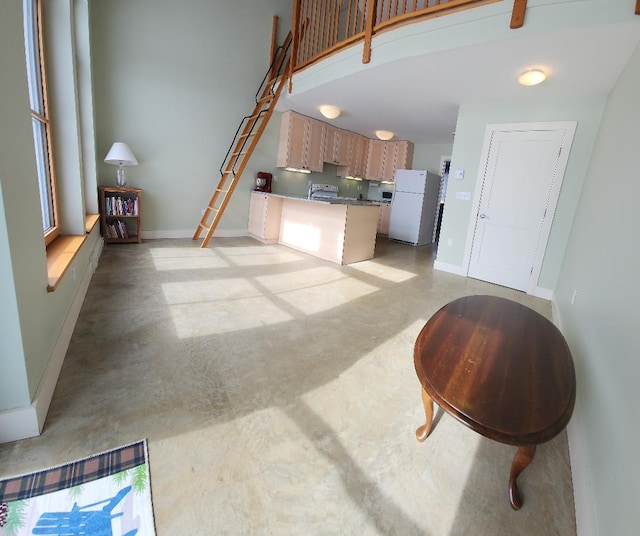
<point x="264" y="217"/>
<point x="340" y="232"/>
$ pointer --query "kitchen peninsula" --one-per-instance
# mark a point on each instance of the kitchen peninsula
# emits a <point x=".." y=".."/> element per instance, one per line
<point x="337" y="230"/>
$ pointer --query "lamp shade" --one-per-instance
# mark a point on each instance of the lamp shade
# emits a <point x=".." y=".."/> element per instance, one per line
<point x="120" y="154"/>
<point x="532" y="77"/>
<point x="384" y="134"/>
<point x="329" y="111"/>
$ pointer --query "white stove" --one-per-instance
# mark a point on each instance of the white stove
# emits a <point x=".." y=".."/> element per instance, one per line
<point x="323" y="191"/>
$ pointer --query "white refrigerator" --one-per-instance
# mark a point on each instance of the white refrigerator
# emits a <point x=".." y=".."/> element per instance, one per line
<point x="413" y="207"/>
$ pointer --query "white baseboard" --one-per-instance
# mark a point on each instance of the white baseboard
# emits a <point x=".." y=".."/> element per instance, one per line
<point x="19" y="423"/>
<point x="28" y="421"/>
<point x="451" y="268"/>
<point x="188" y="233"/>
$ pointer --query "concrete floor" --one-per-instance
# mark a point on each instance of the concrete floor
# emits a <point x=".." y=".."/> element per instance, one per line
<point x="278" y="396"/>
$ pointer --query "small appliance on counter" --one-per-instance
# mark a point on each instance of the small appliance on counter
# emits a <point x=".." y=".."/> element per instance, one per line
<point x="263" y="181"/>
<point x="387" y="196"/>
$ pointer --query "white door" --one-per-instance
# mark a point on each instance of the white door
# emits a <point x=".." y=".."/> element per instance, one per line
<point x="522" y="172"/>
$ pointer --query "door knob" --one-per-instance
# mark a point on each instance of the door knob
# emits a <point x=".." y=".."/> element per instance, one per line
<point x="483" y="216"/>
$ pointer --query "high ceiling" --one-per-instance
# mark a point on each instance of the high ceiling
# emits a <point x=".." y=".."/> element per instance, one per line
<point x="418" y="97"/>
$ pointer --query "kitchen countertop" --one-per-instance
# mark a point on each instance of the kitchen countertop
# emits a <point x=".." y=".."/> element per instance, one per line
<point x="334" y="201"/>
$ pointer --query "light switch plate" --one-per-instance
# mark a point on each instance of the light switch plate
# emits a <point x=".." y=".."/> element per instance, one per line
<point x="459" y="174"/>
<point x="464" y="196"/>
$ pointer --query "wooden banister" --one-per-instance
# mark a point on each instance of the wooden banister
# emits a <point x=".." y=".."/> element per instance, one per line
<point x="517" y="15"/>
<point x="368" y="32"/>
<point x="323" y="27"/>
<point x="637" y="7"/>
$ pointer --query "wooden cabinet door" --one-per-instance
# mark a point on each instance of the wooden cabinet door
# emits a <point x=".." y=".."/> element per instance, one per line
<point x="389" y="162"/>
<point x="342" y="148"/>
<point x="314" y="153"/>
<point x="375" y="159"/>
<point x="359" y="151"/>
<point x="337" y="147"/>
<point x="383" y="218"/>
<point x="292" y="142"/>
<point x="398" y="155"/>
<point x="257" y="214"/>
<point x="404" y="155"/>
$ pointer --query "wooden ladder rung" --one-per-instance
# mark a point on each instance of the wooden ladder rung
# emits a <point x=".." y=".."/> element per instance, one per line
<point x="253" y="126"/>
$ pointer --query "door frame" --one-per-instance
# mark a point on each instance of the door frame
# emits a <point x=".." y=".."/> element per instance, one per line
<point x="569" y="129"/>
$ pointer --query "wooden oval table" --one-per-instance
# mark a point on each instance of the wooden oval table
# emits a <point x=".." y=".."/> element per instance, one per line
<point x="501" y="369"/>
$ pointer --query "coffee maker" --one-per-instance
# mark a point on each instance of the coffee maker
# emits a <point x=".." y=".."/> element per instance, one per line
<point x="263" y="181"/>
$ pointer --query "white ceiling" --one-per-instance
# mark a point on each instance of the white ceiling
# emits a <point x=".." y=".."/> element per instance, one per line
<point x="418" y="98"/>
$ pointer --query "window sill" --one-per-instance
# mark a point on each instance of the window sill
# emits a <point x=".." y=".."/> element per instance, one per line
<point x="62" y="251"/>
<point x="90" y="222"/>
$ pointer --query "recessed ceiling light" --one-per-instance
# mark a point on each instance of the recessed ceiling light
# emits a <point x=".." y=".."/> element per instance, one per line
<point x="532" y="77"/>
<point x="330" y="111"/>
<point x="384" y="134"/>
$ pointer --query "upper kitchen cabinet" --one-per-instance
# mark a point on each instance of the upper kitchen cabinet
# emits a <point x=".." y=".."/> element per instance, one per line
<point x="338" y="143"/>
<point x="384" y="157"/>
<point x="301" y="143"/>
<point x="357" y="166"/>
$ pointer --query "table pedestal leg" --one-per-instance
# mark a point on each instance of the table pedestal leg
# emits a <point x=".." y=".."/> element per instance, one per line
<point x="522" y="459"/>
<point x="423" y="431"/>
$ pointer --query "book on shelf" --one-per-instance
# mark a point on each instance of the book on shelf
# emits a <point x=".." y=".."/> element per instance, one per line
<point x="120" y="206"/>
<point x="117" y="229"/>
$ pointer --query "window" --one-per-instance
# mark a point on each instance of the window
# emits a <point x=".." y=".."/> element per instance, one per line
<point x="40" y="116"/>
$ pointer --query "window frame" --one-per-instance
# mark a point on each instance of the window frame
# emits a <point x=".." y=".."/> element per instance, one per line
<point x="41" y="119"/>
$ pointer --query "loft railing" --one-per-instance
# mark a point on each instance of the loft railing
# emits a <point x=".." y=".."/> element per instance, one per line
<point x="322" y="27"/>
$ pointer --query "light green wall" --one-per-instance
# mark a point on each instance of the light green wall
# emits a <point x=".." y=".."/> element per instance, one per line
<point x="602" y="262"/>
<point x="34" y="315"/>
<point x="14" y="389"/>
<point x="173" y="80"/>
<point x="427" y="156"/>
<point x="470" y="132"/>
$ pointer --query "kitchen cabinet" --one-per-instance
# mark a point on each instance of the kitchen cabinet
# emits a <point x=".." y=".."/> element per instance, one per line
<point x="301" y="143"/>
<point x="384" y="157"/>
<point x="337" y="149"/>
<point x="403" y="157"/>
<point x="264" y="217"/>
<point x="384" y="216"/>
<point x="357" y="166"/>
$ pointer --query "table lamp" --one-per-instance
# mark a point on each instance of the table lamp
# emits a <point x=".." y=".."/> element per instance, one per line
<point x="120" y="155"/>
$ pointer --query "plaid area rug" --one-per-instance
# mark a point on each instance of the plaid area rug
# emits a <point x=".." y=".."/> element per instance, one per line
<point x="108" y="494"/>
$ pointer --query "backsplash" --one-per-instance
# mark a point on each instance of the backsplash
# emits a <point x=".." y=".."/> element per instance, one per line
<point x="292" y="183"/>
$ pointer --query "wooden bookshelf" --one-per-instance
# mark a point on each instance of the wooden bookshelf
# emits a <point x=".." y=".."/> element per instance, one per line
<point x="120" y="210"/>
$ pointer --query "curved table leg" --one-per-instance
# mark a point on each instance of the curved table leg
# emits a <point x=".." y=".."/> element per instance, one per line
<point x="521" y="460"/>
<point x="423" y="431"/>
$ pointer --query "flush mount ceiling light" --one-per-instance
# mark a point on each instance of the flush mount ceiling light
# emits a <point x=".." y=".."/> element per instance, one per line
<point x="329" y="111"/>
<point x="532" y="77"/>
<point x="384" y="134"/>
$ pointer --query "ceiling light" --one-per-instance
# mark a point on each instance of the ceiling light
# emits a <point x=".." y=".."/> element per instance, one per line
<point x="329" y="111"/>
<point x="384" y="134"/>
<point x="532" y="77"/>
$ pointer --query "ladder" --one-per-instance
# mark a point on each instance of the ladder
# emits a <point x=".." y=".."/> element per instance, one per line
<point x="244" y="142"/>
